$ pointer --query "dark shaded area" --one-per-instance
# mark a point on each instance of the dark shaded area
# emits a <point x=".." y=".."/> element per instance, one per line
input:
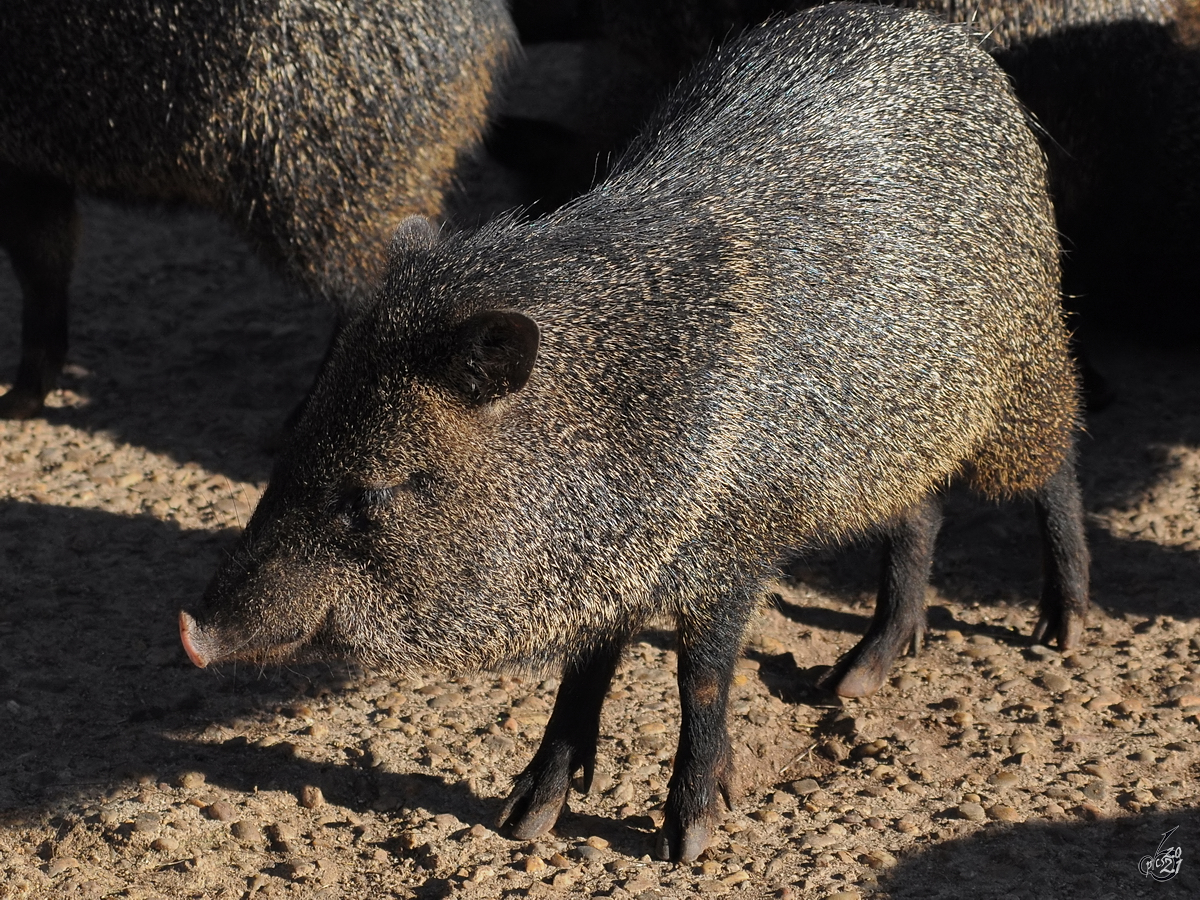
<point x="92" y="668"/>
<point x="1062" y="860"/>
<point x="1119" y="103"/>
<point x="555" y="20"/>
<point x="182" y="342"/>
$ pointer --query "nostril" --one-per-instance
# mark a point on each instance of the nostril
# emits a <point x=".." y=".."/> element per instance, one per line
<point x="191" y="636"/>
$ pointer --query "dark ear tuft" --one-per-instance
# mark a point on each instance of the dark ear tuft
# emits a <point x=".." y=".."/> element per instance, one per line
<point x="414" y="233"/>
<point x="494" y="354"/>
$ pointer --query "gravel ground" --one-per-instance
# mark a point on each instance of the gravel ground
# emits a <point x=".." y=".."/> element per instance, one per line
<point x="988" y="767"/>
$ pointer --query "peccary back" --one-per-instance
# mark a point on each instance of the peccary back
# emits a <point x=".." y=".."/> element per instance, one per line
<point x="820" y="285"/>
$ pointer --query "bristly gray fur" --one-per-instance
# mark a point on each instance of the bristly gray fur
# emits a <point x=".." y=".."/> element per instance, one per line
<point x="822" y="283"/>
<point x="314" y="126"/>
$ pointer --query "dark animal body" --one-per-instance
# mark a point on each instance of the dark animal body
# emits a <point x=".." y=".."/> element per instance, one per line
<point x="821" y="285"/>
<point x="1113" y="84"/>
<point x="314" y="127"/>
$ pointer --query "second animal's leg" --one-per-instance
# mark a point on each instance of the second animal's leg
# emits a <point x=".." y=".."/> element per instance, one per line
<point x="703" y="772"/>
<point x="899" y="619"/>
<point x="38" y="228"/>
<point x="539" y="793"/>
<point x="1064" y="602"/>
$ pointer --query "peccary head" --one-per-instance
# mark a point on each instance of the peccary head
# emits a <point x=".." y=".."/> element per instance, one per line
<point x="386" y="531"/>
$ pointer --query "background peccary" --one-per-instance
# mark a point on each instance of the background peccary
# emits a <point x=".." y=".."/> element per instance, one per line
<point x="595" y="70"/>
<point x="1114" y="85"/>
<point x="314" y="127"/>
<point x="821" y="284"/>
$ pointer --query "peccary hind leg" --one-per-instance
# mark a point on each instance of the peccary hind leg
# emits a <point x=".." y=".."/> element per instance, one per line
<point x="899" y="619"/>
<point x="704" y="761"/>
<point x="38" y="227"/>
<point x="1064" y="601"/>
<point x="539" y="793"/>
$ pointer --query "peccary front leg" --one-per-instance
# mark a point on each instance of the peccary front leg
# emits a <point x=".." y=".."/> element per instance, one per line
<point x="539" y="793"/>
<point x="1065" y="556"/>
<point x="703" y="771"/>
<point x="899" y="619"/>
<point x="38" y="228"/>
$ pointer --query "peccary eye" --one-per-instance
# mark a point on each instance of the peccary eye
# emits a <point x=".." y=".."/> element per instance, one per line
<point x="360" y="507"/>
<point x="423" y="484"/>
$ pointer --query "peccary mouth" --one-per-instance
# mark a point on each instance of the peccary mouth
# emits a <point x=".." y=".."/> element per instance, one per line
<point x="205" y="647"/>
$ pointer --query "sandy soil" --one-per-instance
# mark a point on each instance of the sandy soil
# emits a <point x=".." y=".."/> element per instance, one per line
<point x="987" y="768"/>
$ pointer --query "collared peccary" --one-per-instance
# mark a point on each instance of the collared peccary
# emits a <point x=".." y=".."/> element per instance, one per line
<point x="314" y="127"/>
<point x="820" y="285"/>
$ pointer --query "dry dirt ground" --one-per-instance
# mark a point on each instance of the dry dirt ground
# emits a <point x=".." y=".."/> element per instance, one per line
<point x="987" y="768"/>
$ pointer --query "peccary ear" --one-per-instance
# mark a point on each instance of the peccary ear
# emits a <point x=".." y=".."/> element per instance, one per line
<point x="414" y="233"/>
<point x="493" y="355"/>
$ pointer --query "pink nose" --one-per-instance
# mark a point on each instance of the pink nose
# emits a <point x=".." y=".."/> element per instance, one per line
<point x="189" y="633"/>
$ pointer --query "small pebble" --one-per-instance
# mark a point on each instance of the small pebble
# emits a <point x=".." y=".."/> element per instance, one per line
<point x="147" y="822"/>
<point x="835" y="750"/>
<point x="804" y="787"/>
<point x="906" y="682"/>
<point x="1056" y="683"/>
<point x="1022" y="742"/>
<point x="299" y="868"/>
<point x="60" y="865"/>
<point x="249" y="832"/>
<point x="1103" y="701"/>
<point x="819" y="841"/>
<point x="221" y="810"/>
<point x="972" y="811"/>
<point x="311" y="797"/>
<point x="1004" y="779"/>
<point x="165" y="844"/>
<point x="1131" y="706"/>
<point x="588" y="853"/>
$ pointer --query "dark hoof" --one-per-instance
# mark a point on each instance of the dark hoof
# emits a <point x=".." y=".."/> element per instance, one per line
<point x="863" y="670"/>
<point x="858" y="680"/>
<point x="678" y="843"/>
<point x="18" y="404"/>
<point x="529" y="815"/>
<point x="1066" y="630"/>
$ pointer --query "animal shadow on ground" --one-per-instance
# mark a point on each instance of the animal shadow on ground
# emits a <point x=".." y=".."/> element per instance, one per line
<point x="1064" y="860"/>
<point x="182" y="342"/>
<point x="92" y="671"/>
<point x="101" y="694"/>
